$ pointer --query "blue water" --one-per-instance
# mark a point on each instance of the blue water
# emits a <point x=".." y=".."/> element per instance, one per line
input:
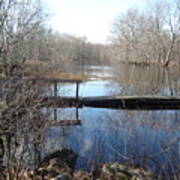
<point x="151" y="138"/>
<point x="112" y="135"/>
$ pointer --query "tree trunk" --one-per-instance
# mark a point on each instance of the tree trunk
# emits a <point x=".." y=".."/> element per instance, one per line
<point x="167" y="59"/>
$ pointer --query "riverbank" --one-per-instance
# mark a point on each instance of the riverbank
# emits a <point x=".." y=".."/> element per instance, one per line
<point x="171" y="64"/>
<point x="60" y="164"/>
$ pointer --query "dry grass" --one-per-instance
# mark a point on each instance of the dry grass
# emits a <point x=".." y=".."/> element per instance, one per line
<point x="45" y="71"/>
<point x="66" y="76"/>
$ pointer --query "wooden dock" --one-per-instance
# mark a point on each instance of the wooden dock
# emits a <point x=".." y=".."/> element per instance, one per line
<point x="116" y="102"/>
<point x="133" y="102"/>
<point x="113" y="102"/>
<point x="63" y="102"/>
<point x="55" y="83"/>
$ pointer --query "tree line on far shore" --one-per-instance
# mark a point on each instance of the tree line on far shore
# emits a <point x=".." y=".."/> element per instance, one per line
<point x="139" y="36"/>
<point x="151" y="35"/>
<point x="56" y="49"/>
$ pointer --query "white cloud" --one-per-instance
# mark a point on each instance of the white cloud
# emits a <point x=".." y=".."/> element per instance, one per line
<point x="89" y="18"/>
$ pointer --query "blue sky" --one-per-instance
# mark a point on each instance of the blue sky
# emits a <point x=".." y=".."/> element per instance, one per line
<point x="90" y="18"/>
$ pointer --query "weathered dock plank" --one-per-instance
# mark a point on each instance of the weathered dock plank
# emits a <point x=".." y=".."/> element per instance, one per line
<point x="66" y="123"/>
<point x="133" y="102"/>
<point x="56" y="102"/>
<point x="54" y="80"/>
<point x="116" y="102"/>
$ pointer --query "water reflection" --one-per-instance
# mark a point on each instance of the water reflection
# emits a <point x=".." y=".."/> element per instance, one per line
<point x="148" y="80"/>
<point x="107" y="136"/>
<point x="125" y="80"/>
<point x="150" y="138"/>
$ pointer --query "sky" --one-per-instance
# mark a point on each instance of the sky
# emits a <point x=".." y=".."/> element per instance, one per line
<point x="90" y="18"/>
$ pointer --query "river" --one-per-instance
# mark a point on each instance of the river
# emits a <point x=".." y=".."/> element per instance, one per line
<point x="148" y="138"/>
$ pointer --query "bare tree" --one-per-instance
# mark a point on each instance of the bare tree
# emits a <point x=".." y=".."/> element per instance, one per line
<point x="148" y="36"/>
<point x="20" y="119"/>
<point x="173" y="22"/>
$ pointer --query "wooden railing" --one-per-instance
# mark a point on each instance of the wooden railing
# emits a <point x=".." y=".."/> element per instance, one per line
<point x="56" y="81"/>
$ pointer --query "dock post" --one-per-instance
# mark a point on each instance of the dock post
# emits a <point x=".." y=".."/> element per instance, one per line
<point x="77" y="90"/>
<point x="55" y="89"/>
<point x="55" y="94"/>
<point x="77" y="113"/>
<point x="55" y="114"/>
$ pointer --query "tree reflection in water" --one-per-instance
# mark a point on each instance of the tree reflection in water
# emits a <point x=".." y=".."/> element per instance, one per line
<point x="145" y="138"/>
